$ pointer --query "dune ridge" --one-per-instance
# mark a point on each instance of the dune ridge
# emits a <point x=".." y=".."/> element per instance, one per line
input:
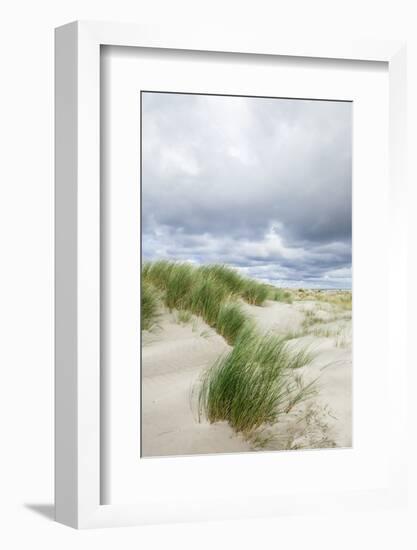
<point x="175" y="356"/>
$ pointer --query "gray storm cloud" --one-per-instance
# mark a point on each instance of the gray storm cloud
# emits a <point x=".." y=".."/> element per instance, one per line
<point x="261" y="184"/>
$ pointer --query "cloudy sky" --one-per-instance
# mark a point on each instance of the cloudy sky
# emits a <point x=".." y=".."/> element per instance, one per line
<point x="263" y="185"/>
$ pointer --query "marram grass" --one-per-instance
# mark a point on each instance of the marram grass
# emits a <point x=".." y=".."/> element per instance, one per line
<point x="230" y="321"/>
<point x="149" y="305"/>
<point x="205" y="297"/>
<point x="280" y="295"/>
<point x="230" y="278"/>
<point x="254" y="383"/>
<point x="209" y="291"/>
<point x="255" y="293"/>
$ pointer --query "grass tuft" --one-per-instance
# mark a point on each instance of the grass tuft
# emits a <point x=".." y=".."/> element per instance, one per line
<point x="230" y="321"/>
<point x="255" y="293"/>
<point x="227" y="276"/>
<point x="149" y="305"/>
<point x="205" y="297"/>
<point x="209" y="291"/>
<point x="254" y="383"/>
<point x="184" y="317"/>
<point x="280" y="295"/>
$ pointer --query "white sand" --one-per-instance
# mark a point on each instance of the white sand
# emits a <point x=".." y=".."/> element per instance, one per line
<point x="326" y="419"/>
<point x="175" y="355"/>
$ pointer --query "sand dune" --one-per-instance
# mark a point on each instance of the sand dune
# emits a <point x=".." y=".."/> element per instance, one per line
<point x="326" y="419"/>
<point x="174" y="356"/>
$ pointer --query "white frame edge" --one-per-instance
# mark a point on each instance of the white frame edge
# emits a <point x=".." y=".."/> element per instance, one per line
<point x="77" y="249"/>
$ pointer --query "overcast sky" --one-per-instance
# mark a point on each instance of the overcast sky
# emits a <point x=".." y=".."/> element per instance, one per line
<point x="263" y="185"/>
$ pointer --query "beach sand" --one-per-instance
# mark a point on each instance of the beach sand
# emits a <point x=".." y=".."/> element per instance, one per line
<point x="174" y="356"/>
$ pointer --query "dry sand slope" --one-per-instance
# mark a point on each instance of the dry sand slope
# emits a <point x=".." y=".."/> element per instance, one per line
<point x="174" y="355"/>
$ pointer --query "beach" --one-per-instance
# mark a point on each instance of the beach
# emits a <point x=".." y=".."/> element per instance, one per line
<point x="177" y="353"/>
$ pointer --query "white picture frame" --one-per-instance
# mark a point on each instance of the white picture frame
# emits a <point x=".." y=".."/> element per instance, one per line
<point x="77" y="393"/>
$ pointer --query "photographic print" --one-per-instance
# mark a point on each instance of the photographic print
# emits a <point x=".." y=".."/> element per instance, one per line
<point x="246" y="274"/>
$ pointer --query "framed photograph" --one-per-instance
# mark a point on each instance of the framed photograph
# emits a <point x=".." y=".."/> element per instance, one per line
<point x="246" y="273"/>
<point x="229" y="219"/>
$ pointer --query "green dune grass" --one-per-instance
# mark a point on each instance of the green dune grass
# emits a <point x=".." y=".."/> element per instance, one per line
<point x="231" y="320"/>
<point x="177" y="279"/>
<point x="280" y="295"/>
<point x="149" y="305"/>
<point x="210" y="292"/>
<point x="253" y="384"/>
